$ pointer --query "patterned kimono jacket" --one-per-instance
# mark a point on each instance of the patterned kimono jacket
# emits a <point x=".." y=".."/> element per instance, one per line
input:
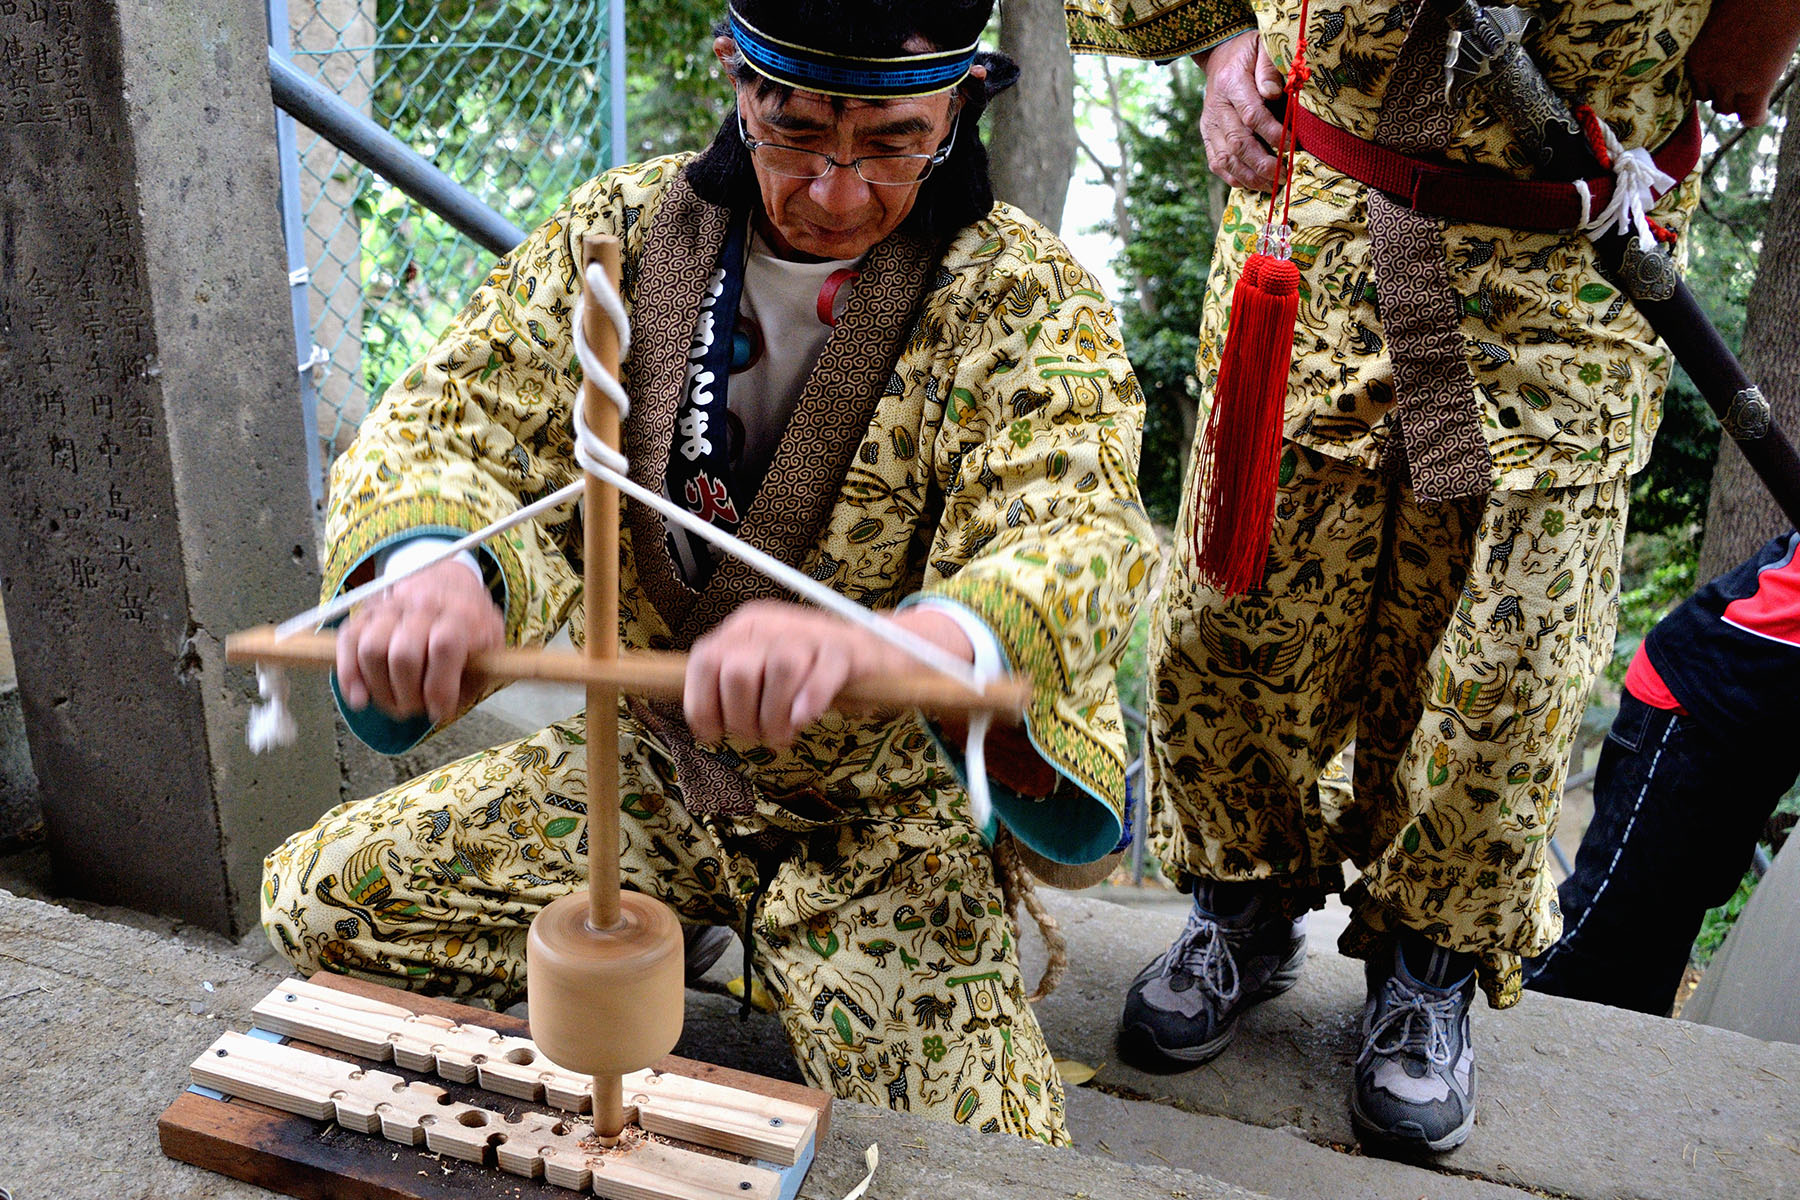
<point x="1556" y="380"/>
<point x="970" y="431"/>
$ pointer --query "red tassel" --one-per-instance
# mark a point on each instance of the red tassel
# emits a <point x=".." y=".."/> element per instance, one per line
<point x="1241" y="452"/>
<point x="1240" y="456"/>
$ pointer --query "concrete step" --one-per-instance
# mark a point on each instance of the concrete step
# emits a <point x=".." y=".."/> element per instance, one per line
<point x="1576" y="1099"/>
<point x="1281" y="1163"/>
<point x="101" y="1020"/>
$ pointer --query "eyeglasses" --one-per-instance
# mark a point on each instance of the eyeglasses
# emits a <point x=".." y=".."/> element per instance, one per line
<point x="882" y="170"/>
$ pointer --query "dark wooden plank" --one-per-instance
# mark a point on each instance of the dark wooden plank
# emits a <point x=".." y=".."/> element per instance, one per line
<point x="318" y="1160"/>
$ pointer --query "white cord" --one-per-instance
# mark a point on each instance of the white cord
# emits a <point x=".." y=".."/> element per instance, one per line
<point x="1637" y="181"/>
<point x="1587" y="204"/>
<point x="312" y="618"/>
<point x="271" y="724"/>
<point x="592" y="454"/>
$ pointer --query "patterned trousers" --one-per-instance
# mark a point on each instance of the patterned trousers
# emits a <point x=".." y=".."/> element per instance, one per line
<point x="881" y="935"/>
<point x="1454" y="642"/>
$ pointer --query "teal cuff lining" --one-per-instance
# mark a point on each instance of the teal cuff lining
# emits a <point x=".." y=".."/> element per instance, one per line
<point x="378" y="731"/>
<point x="1070" y="826"/>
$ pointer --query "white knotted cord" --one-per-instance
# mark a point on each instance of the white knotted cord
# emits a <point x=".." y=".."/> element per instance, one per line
<point x="271" y="724"/>
<point x="1637" y="182"/>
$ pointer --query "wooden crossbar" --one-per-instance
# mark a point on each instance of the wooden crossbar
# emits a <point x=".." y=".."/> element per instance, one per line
<point x="654" y="674"/>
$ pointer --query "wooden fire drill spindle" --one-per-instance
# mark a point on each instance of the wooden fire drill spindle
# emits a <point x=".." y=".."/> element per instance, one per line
<point x="604" y="970"/>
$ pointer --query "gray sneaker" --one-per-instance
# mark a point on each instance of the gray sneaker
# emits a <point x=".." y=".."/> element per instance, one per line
<point x="1415" y="1076"/>
<point x="1182" y="1009"/>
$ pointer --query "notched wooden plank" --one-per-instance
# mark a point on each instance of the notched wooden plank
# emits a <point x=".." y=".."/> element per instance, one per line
<point x="414" y="1113"/>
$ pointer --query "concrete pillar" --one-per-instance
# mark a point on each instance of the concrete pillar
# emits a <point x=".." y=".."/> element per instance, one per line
<point x="153" y="459"/>
<point x="21" y="816"/>
<point x="1752" y="984"/>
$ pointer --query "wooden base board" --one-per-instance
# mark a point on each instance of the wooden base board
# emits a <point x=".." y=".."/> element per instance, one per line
<point x="318" y="1160"/>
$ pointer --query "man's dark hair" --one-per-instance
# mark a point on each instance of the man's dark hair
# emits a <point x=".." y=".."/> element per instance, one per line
<point x="956" y="193"/>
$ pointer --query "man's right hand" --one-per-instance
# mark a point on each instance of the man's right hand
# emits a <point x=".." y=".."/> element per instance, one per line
<point x="1739" y="55"/>
<point x="405" y="650"/>
<point x="1235" y="122"/>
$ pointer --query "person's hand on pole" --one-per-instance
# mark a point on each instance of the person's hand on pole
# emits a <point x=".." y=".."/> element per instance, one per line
<point x="772" y="668"/>
<point x="404" y="651"/>
<point x="1236" y="125"/>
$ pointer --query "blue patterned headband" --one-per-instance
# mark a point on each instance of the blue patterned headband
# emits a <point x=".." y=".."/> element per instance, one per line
<point x="841" y="75"/>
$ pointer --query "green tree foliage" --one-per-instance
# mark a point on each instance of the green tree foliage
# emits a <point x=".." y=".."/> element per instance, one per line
<point x="500" y="94"/>
<point x="677" y="94"/>
<point x="508" y="98"/>
<point x="1163" y="261"/>
<point x="1668" y="500"/>
<point x="1722" y="246"/>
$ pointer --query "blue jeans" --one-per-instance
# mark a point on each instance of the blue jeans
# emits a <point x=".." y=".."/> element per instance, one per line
<point x="1677" y="814"/>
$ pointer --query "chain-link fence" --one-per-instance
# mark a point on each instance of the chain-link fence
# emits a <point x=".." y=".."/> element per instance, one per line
<point x="514" y="99"/>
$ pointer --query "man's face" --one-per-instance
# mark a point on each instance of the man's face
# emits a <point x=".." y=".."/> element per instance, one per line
<point x="838" y="215"/>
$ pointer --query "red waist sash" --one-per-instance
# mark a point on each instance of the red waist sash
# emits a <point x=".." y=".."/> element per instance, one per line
<point x="1477" y="197"/>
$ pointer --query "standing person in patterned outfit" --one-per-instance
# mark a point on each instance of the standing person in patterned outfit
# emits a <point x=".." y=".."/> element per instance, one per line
<point x="1466" y="405"/>
<point x="847" y="352"/>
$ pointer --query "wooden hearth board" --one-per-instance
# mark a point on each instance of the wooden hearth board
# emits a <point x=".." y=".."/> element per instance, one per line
<point x="313" y="1156"/>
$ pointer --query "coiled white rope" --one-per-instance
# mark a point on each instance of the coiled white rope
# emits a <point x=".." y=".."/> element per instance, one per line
<point x="271" y="724"/>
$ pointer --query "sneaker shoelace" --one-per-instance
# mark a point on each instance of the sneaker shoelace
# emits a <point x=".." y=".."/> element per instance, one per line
<point x="1202" y="952"/>
<point x="1411" y="1022"/>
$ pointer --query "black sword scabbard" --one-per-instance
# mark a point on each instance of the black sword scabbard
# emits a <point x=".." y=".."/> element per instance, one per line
<point x="1490" y="58"/>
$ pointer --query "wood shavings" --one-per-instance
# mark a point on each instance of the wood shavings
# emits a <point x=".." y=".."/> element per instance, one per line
<point x="871" y="1156"/>
<point x="630" y="1138"/>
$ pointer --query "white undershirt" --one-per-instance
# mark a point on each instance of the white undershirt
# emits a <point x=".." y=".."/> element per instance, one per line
<point x="782" y="299"/>
<point x="780" y="303"/>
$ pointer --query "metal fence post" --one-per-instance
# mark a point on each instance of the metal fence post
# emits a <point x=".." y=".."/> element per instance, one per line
<point x="293" y="227"/>
<point x="615" y="42"/>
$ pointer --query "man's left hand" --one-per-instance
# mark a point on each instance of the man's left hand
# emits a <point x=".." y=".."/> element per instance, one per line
<point x="772" y="668"/>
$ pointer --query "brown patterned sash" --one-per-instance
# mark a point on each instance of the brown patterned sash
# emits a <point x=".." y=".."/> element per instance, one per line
<point x="1440" y="435"/>
<point x="805" y="477"/>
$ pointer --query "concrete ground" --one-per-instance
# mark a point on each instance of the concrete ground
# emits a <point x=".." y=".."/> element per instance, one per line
<point x="102" y="1010"/>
